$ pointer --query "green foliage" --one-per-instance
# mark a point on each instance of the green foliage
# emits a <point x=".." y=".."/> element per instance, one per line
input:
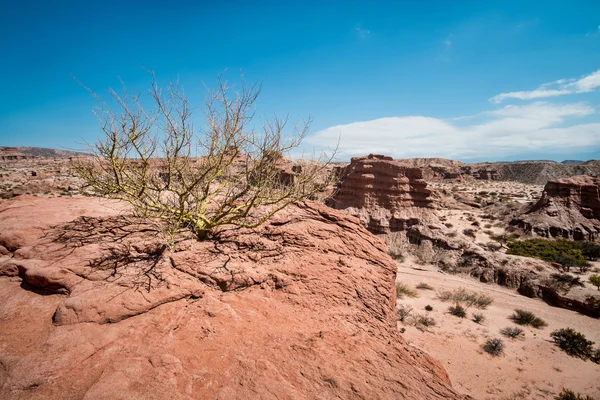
<point x="567" y="394"/>
<point x="566" y="252"/>
<point x="494" y="346"/>
<point x="573" y="343"/>
<point x="512" y="332"/>
<point x="590" y="250"/>
<point x="404" y="290"/>
<point x="523" y="317"/>
<point x="595" y="280"/>
<point x="458" y="311"/>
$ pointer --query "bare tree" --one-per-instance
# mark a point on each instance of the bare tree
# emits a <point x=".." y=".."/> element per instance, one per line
<point x="228" y="171"/>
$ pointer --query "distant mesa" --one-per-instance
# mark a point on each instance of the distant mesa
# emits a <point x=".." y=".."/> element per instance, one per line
<point x="569" y="208"/>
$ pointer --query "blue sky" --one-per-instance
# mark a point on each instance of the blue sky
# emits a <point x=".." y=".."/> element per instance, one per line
<point x="469" y="80"/>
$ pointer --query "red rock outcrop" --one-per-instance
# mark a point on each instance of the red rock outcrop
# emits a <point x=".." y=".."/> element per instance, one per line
<point x="568" y="208"/>
<point x="386" y="195"/>
<point x="98" y="308"/>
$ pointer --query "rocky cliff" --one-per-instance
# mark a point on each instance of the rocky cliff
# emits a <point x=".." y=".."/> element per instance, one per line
<point x="94" y="306"/>
<point x="568" y="208"/>
<point x="386" y="195"/>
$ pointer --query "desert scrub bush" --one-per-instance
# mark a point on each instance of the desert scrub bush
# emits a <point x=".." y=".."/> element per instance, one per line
<point x="493" y="246"/>
<point x="197" y="175"/>
<point x="428" y="308"/>
<point x="562" y="251"/>
<point x="523" y="317"/>
<point x="404" y="290"/>
<point x="424" y="286"/>
<point x="421" y="321"/>
<point x="494" y="346"/>
<point x="512" y="332"/>
<point x="469" y="232"/>
<point x="451" y="234"/>
<point x="466" y="298"/>
<point x="567" y="394"/>
<point x="458" y="311"/>
<point x="449" y="225"/>
<point x="595" y="280"/>
<point x="403" y="311"/>
<point x="478" y="318"/>
<point x="567" y="279"/>
<point x="573" y="343"/>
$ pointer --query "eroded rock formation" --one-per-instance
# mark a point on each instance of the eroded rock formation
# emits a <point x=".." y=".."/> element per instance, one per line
<point x="568" y="208"/>
<point x="386" y="195"/>
<point x="94" y="306"/>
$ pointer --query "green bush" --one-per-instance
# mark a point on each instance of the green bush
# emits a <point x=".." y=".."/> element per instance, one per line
<point x="523" y="317"/>
<point x="458" y="311"/>
<point x="494" y="347"/>
<point x="595" y="280"/>
<point x="566" y="252"/>
<point x="573" y="343"/>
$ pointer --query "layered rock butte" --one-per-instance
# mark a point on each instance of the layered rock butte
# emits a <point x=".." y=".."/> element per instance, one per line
<point x="386" y="195"/>
<point x="94" y="306"/>
<point x="569" y="208"/>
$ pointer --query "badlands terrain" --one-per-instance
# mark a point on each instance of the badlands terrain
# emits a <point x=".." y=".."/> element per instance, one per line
<point x="324" y="301"/>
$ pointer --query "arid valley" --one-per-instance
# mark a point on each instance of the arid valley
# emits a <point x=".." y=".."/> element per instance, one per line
<point x="348" y="299"/>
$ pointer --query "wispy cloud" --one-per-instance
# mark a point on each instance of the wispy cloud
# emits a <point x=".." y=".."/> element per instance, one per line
<point x="505" y="131"/>
<point x="560" y="87"/>
<point x="362" y="33"/>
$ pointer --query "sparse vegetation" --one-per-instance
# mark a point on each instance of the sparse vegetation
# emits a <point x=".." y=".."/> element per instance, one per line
<point x="523" y="317"/>
<point x="428" y="308"/>
<point x="478" y="318"/>
<point x="396" y="255"/>
<point x="449" y="225"/>
<point x="458" y="311"/>
<point x="424" y="286"/>
<point x="567" y="394"/>
<point x="573" y="343"/>
<point x="512" y="332"/>
<point x="403" y="311"/>
<point x="421" y="321"/>
<point x="494" y="346"/>
<point x="404" y="290"/>
<point x="466" y="298"/>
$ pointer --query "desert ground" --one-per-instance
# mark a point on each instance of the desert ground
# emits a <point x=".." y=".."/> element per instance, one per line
<point x="531" y="367"/>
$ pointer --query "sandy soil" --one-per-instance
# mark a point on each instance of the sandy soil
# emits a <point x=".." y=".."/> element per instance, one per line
<point x="530" y="368"/>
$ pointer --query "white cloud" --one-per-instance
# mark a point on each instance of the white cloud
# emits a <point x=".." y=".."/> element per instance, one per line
<point x="560" y="87"/>
<point x="506" y="131"/>
<point x="448" y="42"/>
